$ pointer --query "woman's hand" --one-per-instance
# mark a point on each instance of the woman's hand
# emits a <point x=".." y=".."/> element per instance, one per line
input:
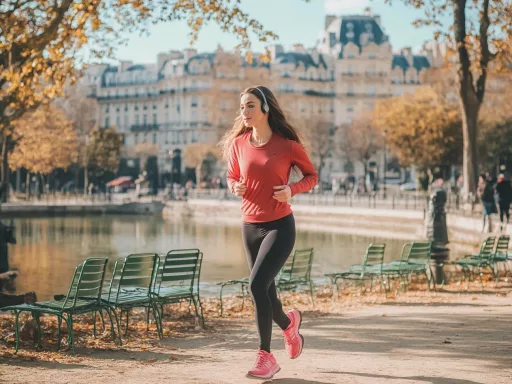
<point x="239" y="189"/>
<point x="282" y="193"/>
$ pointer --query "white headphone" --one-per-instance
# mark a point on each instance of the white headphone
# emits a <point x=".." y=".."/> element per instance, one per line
<point x="265" y="105"/>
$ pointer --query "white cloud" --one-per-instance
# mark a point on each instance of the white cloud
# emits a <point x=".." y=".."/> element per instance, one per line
<point x="344" y="6"/>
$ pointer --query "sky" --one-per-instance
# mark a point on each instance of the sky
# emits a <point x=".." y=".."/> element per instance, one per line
<point x="294" y="21"/>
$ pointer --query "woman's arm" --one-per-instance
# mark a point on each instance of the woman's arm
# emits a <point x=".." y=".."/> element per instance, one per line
<point x="300" y="158"/>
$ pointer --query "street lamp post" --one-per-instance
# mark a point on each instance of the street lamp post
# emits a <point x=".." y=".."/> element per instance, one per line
<point x="385" y="165"/>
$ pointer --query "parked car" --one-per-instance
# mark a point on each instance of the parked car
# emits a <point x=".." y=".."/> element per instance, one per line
<point x="411" y="186"/>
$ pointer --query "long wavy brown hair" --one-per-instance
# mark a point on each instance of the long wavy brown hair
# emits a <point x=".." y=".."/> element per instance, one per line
<point x="276" y="120"/>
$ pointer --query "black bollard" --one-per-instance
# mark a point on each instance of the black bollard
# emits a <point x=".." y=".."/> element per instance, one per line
<point x="437" y="232"/>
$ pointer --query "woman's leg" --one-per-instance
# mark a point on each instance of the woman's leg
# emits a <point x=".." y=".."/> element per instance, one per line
<point x="277" y="243"/>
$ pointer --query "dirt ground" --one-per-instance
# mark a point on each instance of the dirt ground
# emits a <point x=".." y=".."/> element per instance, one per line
<point x="450" y="337"/>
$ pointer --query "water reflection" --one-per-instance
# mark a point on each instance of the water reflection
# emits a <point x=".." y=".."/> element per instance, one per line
<point x="49" y="249"/>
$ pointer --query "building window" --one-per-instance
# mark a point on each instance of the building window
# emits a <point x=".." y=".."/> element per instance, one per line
<point x="194" y="101"/>
<point x="136" y="136"/>
<point x="350" y="55"/>
<point x="154" y="138"/>
<point x="154" y="106"/>
<point x="137" y="120"/>
<point x="145" y="120"/>
<point x="372" y="56"/>
<point x="350" y="107"/>
<point x="154" y="119"/>
<point x="145" y="107"/>
<point x="107" y="122"/>
<point x="118" y="122"/>
<point x="136" y="107"/>
<point x="126" y="107"/>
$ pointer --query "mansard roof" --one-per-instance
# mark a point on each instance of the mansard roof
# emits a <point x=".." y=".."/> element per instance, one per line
<point x="419" y="62"/>
<point x="354" y="26"/>
<point x="298" y="58"/>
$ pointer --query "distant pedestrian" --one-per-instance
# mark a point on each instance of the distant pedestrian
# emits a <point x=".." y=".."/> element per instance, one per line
<point x="504" y="194"/>
<point x="486" y="195"/>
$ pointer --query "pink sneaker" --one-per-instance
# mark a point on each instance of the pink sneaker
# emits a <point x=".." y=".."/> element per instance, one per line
<point x="293" y="340"/>
<point x="265" y="367"/>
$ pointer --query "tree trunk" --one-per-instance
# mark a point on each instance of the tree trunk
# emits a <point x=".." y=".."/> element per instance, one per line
<point x="470" y="151"/>
<point x="319" y="170"/>
<point x="77" y="171"/>
<point x="4" y="182"/>
<point x="27" y="186"/>
<point x="430" y="179"/>
<point x="365" y="164"/>
<point x="199" y="169"/>
<point x="18" y="180"/>
<point x="86" y="180"/>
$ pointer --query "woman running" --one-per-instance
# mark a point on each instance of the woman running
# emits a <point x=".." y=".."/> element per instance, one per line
<point x="261" y="149"/>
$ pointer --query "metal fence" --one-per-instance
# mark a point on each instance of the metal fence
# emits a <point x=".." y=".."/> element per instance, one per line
<point x="399" y="201"/>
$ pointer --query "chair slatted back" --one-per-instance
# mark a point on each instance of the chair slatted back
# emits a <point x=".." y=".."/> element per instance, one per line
<point x="419" y="252"/>
<point x="374" y="255"/>
<point x="299" y="265"/>
<point x="180" y="268"/>
<point x="502" y="244"/>
<point x="134" y="273"/>
<point x="87" y="282"/>
<point x="487" y="248"/>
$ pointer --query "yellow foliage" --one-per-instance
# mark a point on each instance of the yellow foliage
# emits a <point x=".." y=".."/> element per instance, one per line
<point x="45" y="140"/>
<point x="422" y="129"/>
<point x="42" y="39"/>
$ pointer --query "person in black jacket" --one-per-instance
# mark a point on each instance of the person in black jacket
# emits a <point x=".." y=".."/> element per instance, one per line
<point x="486" y="195"/>
<point x="504" y="192"/>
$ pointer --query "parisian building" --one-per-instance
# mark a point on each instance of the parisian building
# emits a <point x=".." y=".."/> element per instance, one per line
<point x="188" y="97"/>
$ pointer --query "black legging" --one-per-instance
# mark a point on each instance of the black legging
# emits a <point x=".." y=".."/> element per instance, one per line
<point x="504" y="211"/>
<point x="267" y="246"/>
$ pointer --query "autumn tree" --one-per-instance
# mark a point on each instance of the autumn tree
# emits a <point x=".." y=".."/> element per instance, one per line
<point x="81" y="110"/>
<point x="195" y="155"/>
<point x="45" y="140"/>
<point x="320" y="139"/>
<point x="479" y="34"/>
<point x="103" y="152"/>
<point x="495" y="139"/>
<point x="422" y="129"/>
<point x="362" y="141"/>
<point x="43" y="41"/>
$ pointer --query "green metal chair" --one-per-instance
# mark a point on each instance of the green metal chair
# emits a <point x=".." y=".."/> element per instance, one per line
<point x="131" y="286"/>
<point x="414" y="260"/>
<point x="500" y="255"/>
<point x="370" y="269"/>
<point x="178" y="280"/>
<point x="418" y="262"/>
<point x="481" y="260"/>
<point x="296" y="271"/>
<point x="84" y="296"/>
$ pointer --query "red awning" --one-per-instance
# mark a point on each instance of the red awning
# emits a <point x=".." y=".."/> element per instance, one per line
<point x="123" y="181"/>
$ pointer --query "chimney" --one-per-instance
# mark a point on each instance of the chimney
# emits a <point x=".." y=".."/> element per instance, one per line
<point x="315" y="55"/>
<point x="367" y="11"/>
<point x="160" y="60"/>
<point x="298" y="48"/>
<point x="275" y="49"/>
<point x="328" y="20"/>
<point x="189" y="52"/>
<point x="124" y="65"/>
<point x="407" y="53"/>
